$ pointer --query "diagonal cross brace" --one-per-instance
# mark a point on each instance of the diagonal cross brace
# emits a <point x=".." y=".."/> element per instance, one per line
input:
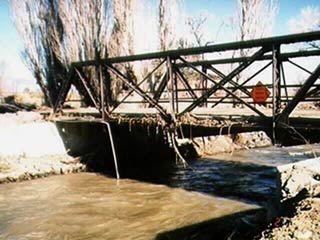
<point x="139" y="84"/>
<point x="87" y="87"/>
<point x="141" y="93"/>
<point x="185" y="83"/>
<point x="235" y="84"/>
<point x="228" y="91"/>
<point x="66" y="85"/>
<point x="312" y="92"/>
<point x="226" y="79"/>
<point x="161" y="87"/>
<point x="300" y="95"/>
<point x="242" y="84"/>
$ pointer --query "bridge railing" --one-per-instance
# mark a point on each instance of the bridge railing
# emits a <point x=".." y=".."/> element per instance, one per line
<point x="182" y="84"/>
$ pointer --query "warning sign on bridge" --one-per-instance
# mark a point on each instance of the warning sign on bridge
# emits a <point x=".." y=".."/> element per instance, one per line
<point x="260" y="93"/>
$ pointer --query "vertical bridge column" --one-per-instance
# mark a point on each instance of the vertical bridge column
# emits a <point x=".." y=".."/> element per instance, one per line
<point x="172" y="89"/>
<point x="204" y="84"/>
<point x="276" y="90"/>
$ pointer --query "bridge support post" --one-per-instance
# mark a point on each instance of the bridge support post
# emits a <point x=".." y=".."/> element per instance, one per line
<point x="276" y="90"/>
<point x="204" y="84"/>
<point x="103" y="110"/>
<point x="172" y="89"/>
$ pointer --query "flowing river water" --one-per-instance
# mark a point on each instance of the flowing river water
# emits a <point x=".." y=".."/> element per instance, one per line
<point x="94" y="206"/>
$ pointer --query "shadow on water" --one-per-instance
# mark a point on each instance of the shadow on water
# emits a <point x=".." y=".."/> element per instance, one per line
<point x="233" y="226"/>
<point x="145" y="155"/>
<point x="248" y="182"/>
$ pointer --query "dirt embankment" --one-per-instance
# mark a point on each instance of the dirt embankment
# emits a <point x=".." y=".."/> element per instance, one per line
<point x="207" y="146"/>
<point x="299" y="221"/>
<point x="31" y="147"/>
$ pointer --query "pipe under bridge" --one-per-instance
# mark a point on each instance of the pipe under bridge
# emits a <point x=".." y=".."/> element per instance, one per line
<point x="208" y="90"/>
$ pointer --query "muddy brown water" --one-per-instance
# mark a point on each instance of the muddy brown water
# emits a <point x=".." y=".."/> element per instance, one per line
<point x="94" y="206"/>
<point x="91" y="206"/>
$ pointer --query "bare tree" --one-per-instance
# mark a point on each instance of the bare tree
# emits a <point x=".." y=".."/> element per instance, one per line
<point x="87" y="38"/>
<point x="170" y="15"/>
<point x="124" y="20"/>
<point x="307" y="21"/>
<point x="27" y="25"/>
<point x="254" y="19"/>
<point x="122" y="40"/>
<point x="196" y="25"/>
<point x="57" y="32"/>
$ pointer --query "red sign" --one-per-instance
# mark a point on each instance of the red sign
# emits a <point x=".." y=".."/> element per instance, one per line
<point x="260" y="93"/>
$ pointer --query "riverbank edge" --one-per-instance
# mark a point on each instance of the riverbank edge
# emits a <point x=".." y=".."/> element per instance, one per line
<point x="31" y="148"/>
<point x="21" y="167"/>
<point x="38" y="167"/>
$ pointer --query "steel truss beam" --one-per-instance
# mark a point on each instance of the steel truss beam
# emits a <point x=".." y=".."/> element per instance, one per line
<point x="138" y="85"/>
<point x="225" y="80"/>
<point x="217" y="86"/>
<point x="175" y="60"/>
<point x="300" y="95"/>
<point x="235" y="84"/>
<point x="283" y="57"/>
<point x="242" y="84"/>
<point x="88" y="88"/>
<point x="313" y="91"/>
<point x="264" y="42"/>
<point x="66" y="85"/>
<point x="185" y="82"/>
<point x="141" y="93"/>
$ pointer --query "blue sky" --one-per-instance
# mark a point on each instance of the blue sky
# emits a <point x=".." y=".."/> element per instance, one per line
<point x="18" y="77"/>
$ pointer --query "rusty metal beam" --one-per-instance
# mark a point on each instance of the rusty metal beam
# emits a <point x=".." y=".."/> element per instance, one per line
<point x="141" y="93"/>
<point x="66" y="85"/>
<point x="85" y="84"/>
<point x="264" y="42"/>
<point x="284" y="81"/>
<point x="139" y="84"/>
<point x="103" y="109"/>
<point x="171" y="87"/>
<point x="225" y="80"/>
<point x="242" y="84"/>
<point x="185" y="83"/>
<point x="276" y="81"/>
<point x="235" y="84"/>
<point x="283" y="117"/>
<point x="162" y="85"/>
<point x="204" y="83"/>
<point x="217" y="86"/>
<point x="283" y="57"/>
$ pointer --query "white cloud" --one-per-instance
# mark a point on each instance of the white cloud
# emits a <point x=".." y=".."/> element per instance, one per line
<point x="308" y="20"/>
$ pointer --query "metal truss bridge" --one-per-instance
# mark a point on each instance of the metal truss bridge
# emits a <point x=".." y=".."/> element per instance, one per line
<point x="216" y="83"/>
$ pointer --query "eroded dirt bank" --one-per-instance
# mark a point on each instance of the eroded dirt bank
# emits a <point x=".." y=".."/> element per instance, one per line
<point x="31" y="147"/>
<point x="299" y="220"/>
